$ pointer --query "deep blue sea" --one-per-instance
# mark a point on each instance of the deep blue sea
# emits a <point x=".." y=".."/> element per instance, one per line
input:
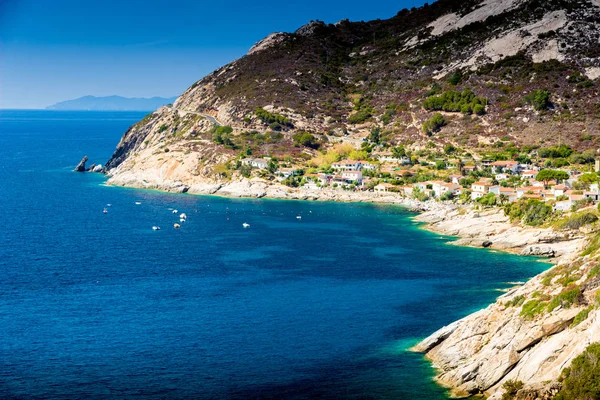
<point x="96" y="305"/>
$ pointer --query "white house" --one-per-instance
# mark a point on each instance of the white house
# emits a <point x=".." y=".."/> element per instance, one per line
<point x="352" y="176"/>
<point x="346" y="165"/>
<point x="259" y="163"/>
<point x="529" y="174"/>
<point x="383" y="187"/>
<point x="501" y="177"/>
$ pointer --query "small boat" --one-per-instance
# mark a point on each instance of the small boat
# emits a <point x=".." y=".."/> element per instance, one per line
<point x="138" y="203"/>
<point x="174" y="211"/>
<point x="156" y="228"/>
<point x="105" y="211"/>
<point x="245" y="225"/>
<point x="298" y="217"/>
<point x="109" y="205"/>
<point x="176" y="226"/>
<point x="183" y="216"/>
<point x="182" y="220"/>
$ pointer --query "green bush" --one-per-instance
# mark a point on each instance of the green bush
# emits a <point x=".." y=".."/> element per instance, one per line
<point x="269" y="118"/>
<point x="566" y="299"/>
<point x="305" y="139"/>
<point x="359" y="117"/>
<point x="511" y="387"/>
<point x="163" y="128"/>
<point x="539" y="99"/>
<point x="581" y="381"/>
<point x="434" y="123"/>
<point x="533" y="308"/>
<point x="532" y="212"/>
<point x="581" y="316"/>
<point x="576" y="221"/>
<point x="454" y="101"/>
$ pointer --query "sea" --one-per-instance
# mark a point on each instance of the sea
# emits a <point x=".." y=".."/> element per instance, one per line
<point x="313" y="300"/>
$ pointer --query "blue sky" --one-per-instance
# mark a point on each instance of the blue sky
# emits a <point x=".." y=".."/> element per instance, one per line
<point x="54" y="50"/>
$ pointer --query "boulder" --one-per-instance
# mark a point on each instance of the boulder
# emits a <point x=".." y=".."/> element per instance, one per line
<point x="81" y="166"/>
<point x="97" y="168"/>
<point x="538" y="251"/>
<point x="487" y="243"/>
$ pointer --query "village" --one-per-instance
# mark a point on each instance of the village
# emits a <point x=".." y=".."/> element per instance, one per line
<point x="484" y="181"/>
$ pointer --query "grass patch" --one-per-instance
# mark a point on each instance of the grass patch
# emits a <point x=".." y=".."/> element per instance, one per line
<point x="581" y="316"/>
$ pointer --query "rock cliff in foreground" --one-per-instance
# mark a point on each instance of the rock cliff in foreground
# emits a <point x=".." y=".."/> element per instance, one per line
<point x="529" y="334"/>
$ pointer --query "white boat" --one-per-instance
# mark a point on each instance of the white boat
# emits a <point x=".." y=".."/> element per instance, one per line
<point x="109" y="205"/>
<point x="156" y="228"/>
<point x="181" y="219"/>
<point x="105" y="211"/>
<point x="138" y="202"/>
<point x="298" y="217"/>
<point x="174" y="211"/>
<point x="176" y="226"/>
<point x="183" y="216"/>
<point x="245" y="225"/>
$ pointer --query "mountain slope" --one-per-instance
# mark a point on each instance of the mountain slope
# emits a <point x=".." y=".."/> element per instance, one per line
<point x="345" y="78"/>
<point x="112" y="103"/>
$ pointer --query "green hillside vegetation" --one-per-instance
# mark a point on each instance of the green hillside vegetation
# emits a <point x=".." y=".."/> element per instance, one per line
<point x="453" y="101"/>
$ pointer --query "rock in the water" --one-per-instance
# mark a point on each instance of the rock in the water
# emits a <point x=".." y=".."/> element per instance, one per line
<point x="96" y="168"/>
<point x="81" y="166"/>
<point x="487" y="243"/>
<point x="539" y="251"/>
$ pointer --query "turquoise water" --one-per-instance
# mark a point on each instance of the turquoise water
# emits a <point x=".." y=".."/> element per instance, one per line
<point x="97" y="305"/>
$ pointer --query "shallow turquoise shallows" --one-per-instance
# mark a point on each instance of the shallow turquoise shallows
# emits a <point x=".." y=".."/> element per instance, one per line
<point x="96" y="305"/>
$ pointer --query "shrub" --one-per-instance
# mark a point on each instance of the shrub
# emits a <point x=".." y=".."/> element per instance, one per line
<point x="359" y="117"/>
<point x="581" y="316"/>
<point x="455" y="78"/>
<point x="305" y="139"/>
<point x="582" y="379"/>
<point x="434" y="123"/>
<point x="454" y="101"/>
<point x="163" y="128"/>
<point x="532" y="212"/>
<point x="533" y="308"/>
<point x="511" y="387"/>
<point x="565" y="299"/>
<point x="576" y="221"/>
<point x="539" y="99"/>
<point x="269" y="118"/>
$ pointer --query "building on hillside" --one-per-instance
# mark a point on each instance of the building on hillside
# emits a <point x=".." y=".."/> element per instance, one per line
<point x="352" y="176"/>
<point x="529" y="174"/>
<point x="559" y="190"/>
<point x="346" y="165"/>
<point x="504" y="166"/>
<point x="501" y="177"/>
<point x="384" y="187"/>
<point x="454" y="164"/>
<point x="259" y="163"/>
<point x="480" y="187"/>
<point x="287" y="172"/>
<point x="467" y="169"/>
<point x="455" y="178"/>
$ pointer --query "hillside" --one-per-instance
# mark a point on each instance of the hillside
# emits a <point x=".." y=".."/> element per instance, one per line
<point x="111" y="103"/>
<point x="341" y="80"/>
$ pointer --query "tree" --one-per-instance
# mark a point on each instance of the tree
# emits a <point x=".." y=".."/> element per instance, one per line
<point x="582" y="379"/>
<point x="539" y="99"/>
<point x="449" y="148"/>
<point x="434" y="123"/>
<point x="399" y="151"/>
<point x="547" y="175"/>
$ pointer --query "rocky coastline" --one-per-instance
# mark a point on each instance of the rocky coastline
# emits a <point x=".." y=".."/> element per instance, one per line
<point x="479" y="353"/>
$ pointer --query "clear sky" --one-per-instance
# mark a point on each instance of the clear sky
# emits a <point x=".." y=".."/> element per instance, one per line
<point x="54" y="50"/>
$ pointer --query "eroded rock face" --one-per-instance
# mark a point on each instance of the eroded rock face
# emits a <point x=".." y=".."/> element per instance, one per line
<point x="479" y="353"/>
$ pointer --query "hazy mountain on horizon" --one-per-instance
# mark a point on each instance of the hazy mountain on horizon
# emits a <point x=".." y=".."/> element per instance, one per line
<point x="112" y="103"/>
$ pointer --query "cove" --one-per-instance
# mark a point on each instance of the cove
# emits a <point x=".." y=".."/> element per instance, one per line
<point x="98" y="305"/>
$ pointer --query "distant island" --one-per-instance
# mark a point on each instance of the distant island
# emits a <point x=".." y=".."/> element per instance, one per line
<point x="112" y="103"/>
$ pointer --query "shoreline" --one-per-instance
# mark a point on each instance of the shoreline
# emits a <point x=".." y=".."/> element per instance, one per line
<point x="474" y="227"/>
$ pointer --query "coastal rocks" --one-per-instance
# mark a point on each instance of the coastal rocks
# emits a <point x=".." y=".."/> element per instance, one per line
<point x="487" y="243"/>
<point x="81" y="166"/>
<point x="538" y="251"/>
